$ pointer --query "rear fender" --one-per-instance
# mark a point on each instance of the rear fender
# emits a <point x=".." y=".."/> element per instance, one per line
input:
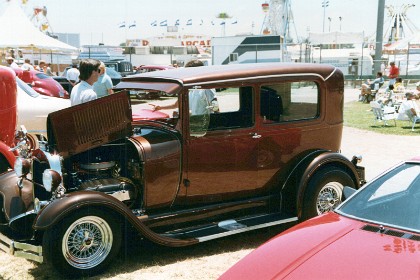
<point x="59" y="209"/>
<point x="297" y="182"/>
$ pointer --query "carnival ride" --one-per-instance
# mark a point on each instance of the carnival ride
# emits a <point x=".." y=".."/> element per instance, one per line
<point x="399" y="24"/>
<point x="278" y="19"/>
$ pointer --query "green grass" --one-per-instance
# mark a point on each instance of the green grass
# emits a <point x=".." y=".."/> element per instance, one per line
<point x="358" y="115"/>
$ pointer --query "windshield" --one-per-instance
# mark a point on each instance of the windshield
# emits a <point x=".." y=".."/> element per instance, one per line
<point x="24" y="86"/>
<point x="393" y="199"/>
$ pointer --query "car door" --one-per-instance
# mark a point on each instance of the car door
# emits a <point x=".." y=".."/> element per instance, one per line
<point x="222" y="161"/>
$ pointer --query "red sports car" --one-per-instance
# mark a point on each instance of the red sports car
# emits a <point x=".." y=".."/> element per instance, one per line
<point x="41" y="83"/>
<point x="375" y="234"/>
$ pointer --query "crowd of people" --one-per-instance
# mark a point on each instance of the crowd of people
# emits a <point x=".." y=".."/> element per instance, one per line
<point x="88" y="80"/>
<point x="395" y="93"/>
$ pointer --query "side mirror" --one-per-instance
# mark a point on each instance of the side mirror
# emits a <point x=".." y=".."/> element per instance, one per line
<point x="347" y="192"/>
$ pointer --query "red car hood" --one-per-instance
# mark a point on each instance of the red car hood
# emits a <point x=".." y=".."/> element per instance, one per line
<point x="331" y="247"/>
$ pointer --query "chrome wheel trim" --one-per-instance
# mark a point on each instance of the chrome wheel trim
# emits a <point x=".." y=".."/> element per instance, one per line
<point x="329" y="197"/>
<point x="87" y="242"/>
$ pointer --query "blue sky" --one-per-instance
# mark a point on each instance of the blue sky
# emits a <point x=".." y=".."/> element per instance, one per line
<point x="97" y="20"/>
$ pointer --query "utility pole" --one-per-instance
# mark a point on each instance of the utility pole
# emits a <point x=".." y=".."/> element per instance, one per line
<point x="325" y="4"/>
<point x="379" y="35"/>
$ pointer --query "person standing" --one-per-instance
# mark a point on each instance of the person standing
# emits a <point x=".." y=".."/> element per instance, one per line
<point x="89" y="74"/>
<point x="27" y="65"/>
<point x="394" y="72"/>
<point x="72" y="76"/>
<point x="103" y="85"/>
<point x="11" y="62"/>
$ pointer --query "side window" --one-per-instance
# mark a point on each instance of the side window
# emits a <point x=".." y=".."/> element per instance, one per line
<point x="289" y="101"/>
<point x="225" y="108"/>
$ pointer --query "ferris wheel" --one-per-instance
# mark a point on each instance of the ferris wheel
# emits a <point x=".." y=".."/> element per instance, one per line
<point x="278" y="19"/>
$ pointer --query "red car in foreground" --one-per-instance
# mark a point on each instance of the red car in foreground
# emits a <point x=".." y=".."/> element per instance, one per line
<point x="41" y="83"/>
<point x="375" y="234"/>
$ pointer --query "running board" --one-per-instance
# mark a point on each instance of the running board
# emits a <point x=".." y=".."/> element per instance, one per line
<point x="230" y="227"/>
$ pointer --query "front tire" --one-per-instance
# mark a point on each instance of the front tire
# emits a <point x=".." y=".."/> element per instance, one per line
<point x="4" y="164"/>
<point x="325" y="191"/>
<point x="84" y="243"/>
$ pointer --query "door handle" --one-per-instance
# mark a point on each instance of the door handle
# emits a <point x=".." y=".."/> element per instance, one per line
<point x="255" y="135"/>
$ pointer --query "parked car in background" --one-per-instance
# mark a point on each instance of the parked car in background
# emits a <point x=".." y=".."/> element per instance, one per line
<point x="42" y="83"/>
<point x="264" y="152"/>
<point x="151" y="95"/>
<point x="123" y="67"/>
<point x="374" y="234"/>
<point x="33" y="108"/>
<point x="151" y="68"/>
<point x="114" y="75"/>
<point x="13" y="142"/>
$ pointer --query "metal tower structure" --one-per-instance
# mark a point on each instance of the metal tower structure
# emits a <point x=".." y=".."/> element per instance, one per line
<point x="278" y="19"/>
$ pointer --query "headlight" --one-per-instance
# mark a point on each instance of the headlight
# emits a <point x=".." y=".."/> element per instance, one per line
<point x="51" y="179"/>
<point x="22" y="167"/>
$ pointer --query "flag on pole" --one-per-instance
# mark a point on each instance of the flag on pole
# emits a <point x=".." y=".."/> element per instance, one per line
<point x="154" y="23"/>
<point x="223" y="23"/>
<point x="133" y="24"/>
<point x="164" y="23"/>
<point x="212" y="22"/>
<point x="201" y="22"/>
<point x="235" y="22"/>
<point x="177" y="22"/>
<point x="121" y="24"/>
<point x="189" y="22"/>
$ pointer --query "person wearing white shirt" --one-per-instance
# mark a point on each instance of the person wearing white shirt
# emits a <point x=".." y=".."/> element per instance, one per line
<point x="72" y="75"/>
<point x="11" y="62"/>
<point x="89" y="74"/>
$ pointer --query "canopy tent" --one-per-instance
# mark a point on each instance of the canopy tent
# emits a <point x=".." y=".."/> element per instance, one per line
<point x="17" y="31"/>
<point x="336" y="38"/>
<point x="402" y="46"/>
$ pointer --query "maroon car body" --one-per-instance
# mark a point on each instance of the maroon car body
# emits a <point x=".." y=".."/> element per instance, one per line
<point x="42" y="83"/>
<point x="375" y="234"/>
<point x="264" y="154"/>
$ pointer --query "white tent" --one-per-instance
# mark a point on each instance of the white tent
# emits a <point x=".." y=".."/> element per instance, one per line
<point x="18" y="32"/>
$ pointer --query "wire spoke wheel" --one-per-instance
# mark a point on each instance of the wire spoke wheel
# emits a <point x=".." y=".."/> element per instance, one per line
<point x="329" y="197"/>
<point x="87" y="242"/>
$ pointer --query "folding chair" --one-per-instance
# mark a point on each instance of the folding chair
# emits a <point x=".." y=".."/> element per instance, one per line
<point x="383" y="114"/>
<point x="412" y="118"/>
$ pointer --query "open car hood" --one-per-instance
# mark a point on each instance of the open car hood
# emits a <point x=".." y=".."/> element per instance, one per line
<point x="91" y="124"/>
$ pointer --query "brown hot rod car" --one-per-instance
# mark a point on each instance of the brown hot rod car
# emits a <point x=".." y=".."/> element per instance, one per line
<point x="268" y="154"/>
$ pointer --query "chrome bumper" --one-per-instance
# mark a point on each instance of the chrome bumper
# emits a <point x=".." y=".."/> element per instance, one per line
<point x="19" y="249"/>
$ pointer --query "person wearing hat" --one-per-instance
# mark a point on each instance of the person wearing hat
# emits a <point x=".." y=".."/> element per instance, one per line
<point x="11" y="62"/>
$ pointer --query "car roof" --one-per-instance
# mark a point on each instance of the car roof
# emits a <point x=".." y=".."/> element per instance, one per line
<point x="193" y="75"/>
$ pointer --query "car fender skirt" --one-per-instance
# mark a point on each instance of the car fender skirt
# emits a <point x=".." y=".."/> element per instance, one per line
<point x="60" y="208"/>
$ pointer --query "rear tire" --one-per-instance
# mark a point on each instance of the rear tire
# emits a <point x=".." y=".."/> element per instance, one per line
<point x="325" y="191"/>
<point x="84" y="243"/>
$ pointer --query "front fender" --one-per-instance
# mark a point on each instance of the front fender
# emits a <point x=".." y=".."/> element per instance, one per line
<point x="8" y="155"/>
<point x="16" y="201"/>
<point x="57" y="210"/>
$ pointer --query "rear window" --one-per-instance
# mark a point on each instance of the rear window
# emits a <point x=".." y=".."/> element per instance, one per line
<point x="290" y="101"/>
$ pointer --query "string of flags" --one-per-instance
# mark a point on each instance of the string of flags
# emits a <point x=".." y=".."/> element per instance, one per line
<point x="189" y="22"/>
<point x="177" y="22"/>
<point x="131" y="25"/>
